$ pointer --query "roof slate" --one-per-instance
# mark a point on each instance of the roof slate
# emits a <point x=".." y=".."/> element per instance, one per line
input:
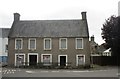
<point x="4" y="32"/>
<point x="50" y="28"/>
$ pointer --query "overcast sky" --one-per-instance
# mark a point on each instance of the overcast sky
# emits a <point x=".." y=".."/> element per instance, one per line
<point x="97" y="12"/>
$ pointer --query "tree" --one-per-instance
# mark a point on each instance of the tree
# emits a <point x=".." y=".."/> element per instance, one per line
<point x="111" y="34"/>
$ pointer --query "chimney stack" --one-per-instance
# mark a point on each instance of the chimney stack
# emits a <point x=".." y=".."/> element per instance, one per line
<point x="84" y="17"/>
<point x="16" y="17"/>
<point x="92" y="38"/>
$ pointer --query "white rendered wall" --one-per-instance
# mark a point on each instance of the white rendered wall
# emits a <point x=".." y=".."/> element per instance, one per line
<point x="0" y="42"/>
<point x="1" y="46"/>
<point x="4" y="43"/>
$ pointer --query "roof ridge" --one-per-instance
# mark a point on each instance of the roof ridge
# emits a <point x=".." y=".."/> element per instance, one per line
<point x="53" y="20"/>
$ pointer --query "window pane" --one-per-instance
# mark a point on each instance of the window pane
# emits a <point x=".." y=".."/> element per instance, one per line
<point x="79" y="43"/>
<point x="19" y="60"/>
<point x="63" y="43"/>
<point x="47" y="44"/>
<point x="18" y="44"/>
<point x="32" y="44"/>
<point x="80" y="60"/>
<point x="46" y="59"/>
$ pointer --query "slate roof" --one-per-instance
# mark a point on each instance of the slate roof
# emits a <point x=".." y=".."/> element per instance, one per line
<point x="50" y="28"/>
<point x="4" y="32"/>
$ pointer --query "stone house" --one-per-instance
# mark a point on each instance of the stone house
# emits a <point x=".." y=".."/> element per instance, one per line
<point x="65" y="42"/>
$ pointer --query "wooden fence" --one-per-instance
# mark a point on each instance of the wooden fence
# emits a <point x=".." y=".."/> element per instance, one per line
<point x="103" y="60"/>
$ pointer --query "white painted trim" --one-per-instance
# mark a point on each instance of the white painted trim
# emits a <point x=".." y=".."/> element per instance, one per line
<point x="21" y="42"/>
<point x="50" y="43"/>
<point x="19" y="54"/>
<point x="29" y="43"/>
<point x="76" y="43"/>
<point x="60" y="43"/>
<point x="32" y="54"/>
<point x="59" y="59"/>
<point x="77" y="58"/>
<point x="46" y="54"/>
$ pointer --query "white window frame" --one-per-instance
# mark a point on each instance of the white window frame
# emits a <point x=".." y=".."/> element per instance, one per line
<point x="77" y="59"/>
<point x="76" y="43"/>
<point x="16" y="56"/>
<point x="60" y="43"/>
<point x="59" y="59"/>
<point x="21" y="43"/>
<point x="46" y="54"/>
<point x="32" y="54"/>
<point x="29" y="43"/>
<point x="50" y="43"/>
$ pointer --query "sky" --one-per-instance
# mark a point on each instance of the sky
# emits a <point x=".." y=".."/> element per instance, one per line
<point x="97" y="12"/>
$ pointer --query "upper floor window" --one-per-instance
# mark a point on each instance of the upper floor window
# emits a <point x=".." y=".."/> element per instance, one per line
<point x="32" y="43"/>
<point x="47" y="44"/>
<point x="63" y="43"/>
<point x="79" y="43"/>
<point x="18" y="43"/>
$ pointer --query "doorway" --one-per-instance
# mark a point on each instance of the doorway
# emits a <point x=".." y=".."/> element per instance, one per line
<point x="62" y="59"/>
<point x="32" y="59"/>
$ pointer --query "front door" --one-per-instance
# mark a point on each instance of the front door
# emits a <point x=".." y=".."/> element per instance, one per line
<point x="62" y="60"/>
<point x="32" y="60"/>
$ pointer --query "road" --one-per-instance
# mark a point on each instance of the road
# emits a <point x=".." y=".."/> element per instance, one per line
<point x="58" y="73"/>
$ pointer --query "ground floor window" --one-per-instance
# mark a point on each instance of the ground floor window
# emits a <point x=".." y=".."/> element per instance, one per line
<point x="80" y="59"/>
<point x="19" y="59"/>
<point x="46" y="59"/>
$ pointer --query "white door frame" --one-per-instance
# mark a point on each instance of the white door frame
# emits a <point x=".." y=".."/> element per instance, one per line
<point x="77" y="58"/>
<point x="16" y="56"/>
<point x="59" y="59"/>
<point x="32" y="54"/>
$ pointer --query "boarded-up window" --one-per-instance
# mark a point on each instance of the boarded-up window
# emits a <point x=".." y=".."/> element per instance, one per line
<point x="47" y="59"/>
<point x="80" y="60"/>
<point x="20" y="60"/>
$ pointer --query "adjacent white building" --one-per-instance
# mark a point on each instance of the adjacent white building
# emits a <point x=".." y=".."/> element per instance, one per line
<point x="107" y="52"/>
<point x="4" y="44"/>
<point x="119" y="8"/>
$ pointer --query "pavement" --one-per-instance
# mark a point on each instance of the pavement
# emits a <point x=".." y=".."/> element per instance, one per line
<point x="17" y="72"/>
<point x="9" y="71"/>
